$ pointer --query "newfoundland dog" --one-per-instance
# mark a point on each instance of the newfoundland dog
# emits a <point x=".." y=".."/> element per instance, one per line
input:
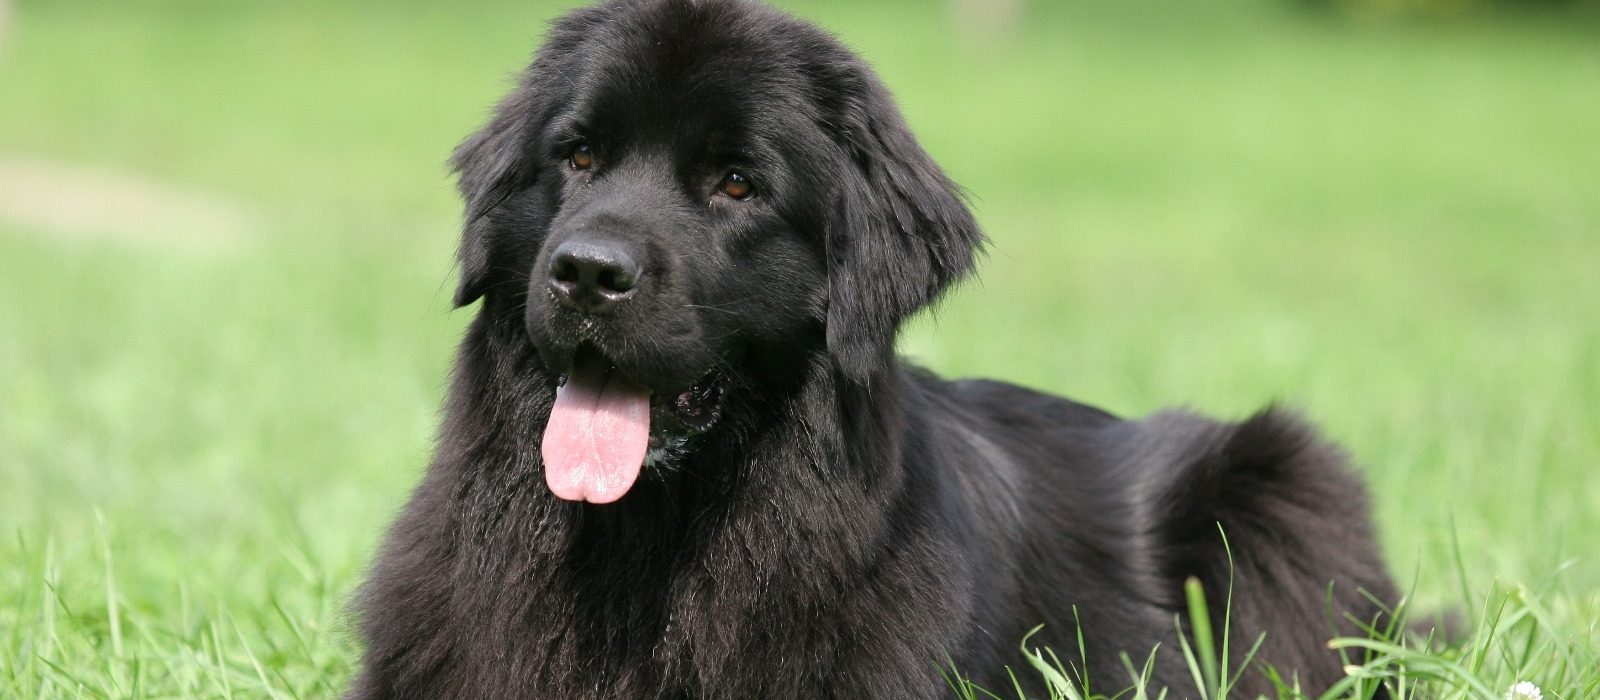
<point x="680" y="459"/>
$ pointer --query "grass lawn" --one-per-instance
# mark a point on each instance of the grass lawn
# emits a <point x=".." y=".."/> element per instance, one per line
<point x="225" y="266"/>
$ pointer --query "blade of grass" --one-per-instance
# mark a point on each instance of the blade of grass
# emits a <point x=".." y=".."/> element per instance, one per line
<point x="1205" y="644"/>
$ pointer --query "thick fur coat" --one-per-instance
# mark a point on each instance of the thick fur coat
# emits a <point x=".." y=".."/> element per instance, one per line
<point x="815" y="519"/>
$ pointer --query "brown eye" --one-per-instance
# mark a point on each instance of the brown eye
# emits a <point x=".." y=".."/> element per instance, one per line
<point x="582" y="157"/>
<point x="737" y="186"/>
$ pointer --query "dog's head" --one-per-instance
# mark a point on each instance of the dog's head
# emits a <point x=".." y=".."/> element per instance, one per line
<point x="677" y="184"/>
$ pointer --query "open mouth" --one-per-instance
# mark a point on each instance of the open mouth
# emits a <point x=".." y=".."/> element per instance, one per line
<point x="603" y="425"/>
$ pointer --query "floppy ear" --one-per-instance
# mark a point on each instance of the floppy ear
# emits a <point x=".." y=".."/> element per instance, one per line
<point x="901" y="236"/>
<point x="489" y="166"/>
<point x="497" y="161"/>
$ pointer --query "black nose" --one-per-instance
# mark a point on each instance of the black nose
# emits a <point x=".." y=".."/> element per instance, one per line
<point x="593" y="276"/>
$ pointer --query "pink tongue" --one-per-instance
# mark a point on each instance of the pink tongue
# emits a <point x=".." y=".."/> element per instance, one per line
<point x="597" y="436"/>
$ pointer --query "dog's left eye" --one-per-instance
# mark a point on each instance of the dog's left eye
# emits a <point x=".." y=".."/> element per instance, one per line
<point x="582" y="157"/>
<point x="737" y="185"/>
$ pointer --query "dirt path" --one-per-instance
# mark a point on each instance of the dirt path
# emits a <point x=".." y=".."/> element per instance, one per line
<point x="87" y="203"/>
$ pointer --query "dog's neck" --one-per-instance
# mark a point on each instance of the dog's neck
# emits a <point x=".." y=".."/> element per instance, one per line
<point x="776" y="498"/>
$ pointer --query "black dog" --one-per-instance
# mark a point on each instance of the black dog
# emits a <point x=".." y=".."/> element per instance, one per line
<point x="681" y="459"/>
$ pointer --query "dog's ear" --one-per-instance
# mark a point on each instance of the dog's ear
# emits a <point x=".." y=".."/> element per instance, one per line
<point x="498" y="160"/>
<point x="902" y="233"/>
<point x="489" y="166"/>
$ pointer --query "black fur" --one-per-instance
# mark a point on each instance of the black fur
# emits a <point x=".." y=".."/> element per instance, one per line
<point x="850" y="523"/>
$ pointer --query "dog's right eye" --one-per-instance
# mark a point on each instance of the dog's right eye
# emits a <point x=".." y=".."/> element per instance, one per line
<point x="737" y="186"/>
<point x="582" y="157"/>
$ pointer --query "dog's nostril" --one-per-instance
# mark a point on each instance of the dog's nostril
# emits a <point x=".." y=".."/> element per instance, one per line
<point x="616" y="280"/>
<point x="564" y="270"/>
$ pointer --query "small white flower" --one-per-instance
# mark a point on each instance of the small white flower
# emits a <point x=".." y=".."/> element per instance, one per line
<point x="1524" y="690"/>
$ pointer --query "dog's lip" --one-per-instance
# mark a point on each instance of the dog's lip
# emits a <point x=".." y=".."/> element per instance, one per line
<point x="681" y="411"/>
<point x="589" y="352"/>
<point x="691" y="411"/>
<point x="577" y="356"/>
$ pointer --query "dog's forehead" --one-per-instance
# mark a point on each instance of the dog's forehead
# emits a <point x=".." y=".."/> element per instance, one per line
<point x="706" y="66"/>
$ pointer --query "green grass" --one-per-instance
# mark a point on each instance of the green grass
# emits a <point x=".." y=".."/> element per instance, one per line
<point x="1393" y="226"/>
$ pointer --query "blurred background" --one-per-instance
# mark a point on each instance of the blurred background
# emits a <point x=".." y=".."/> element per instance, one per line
<point x="226" y="233"/>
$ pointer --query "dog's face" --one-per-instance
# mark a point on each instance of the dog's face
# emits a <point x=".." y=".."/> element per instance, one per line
<point x="677" y="186"/>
